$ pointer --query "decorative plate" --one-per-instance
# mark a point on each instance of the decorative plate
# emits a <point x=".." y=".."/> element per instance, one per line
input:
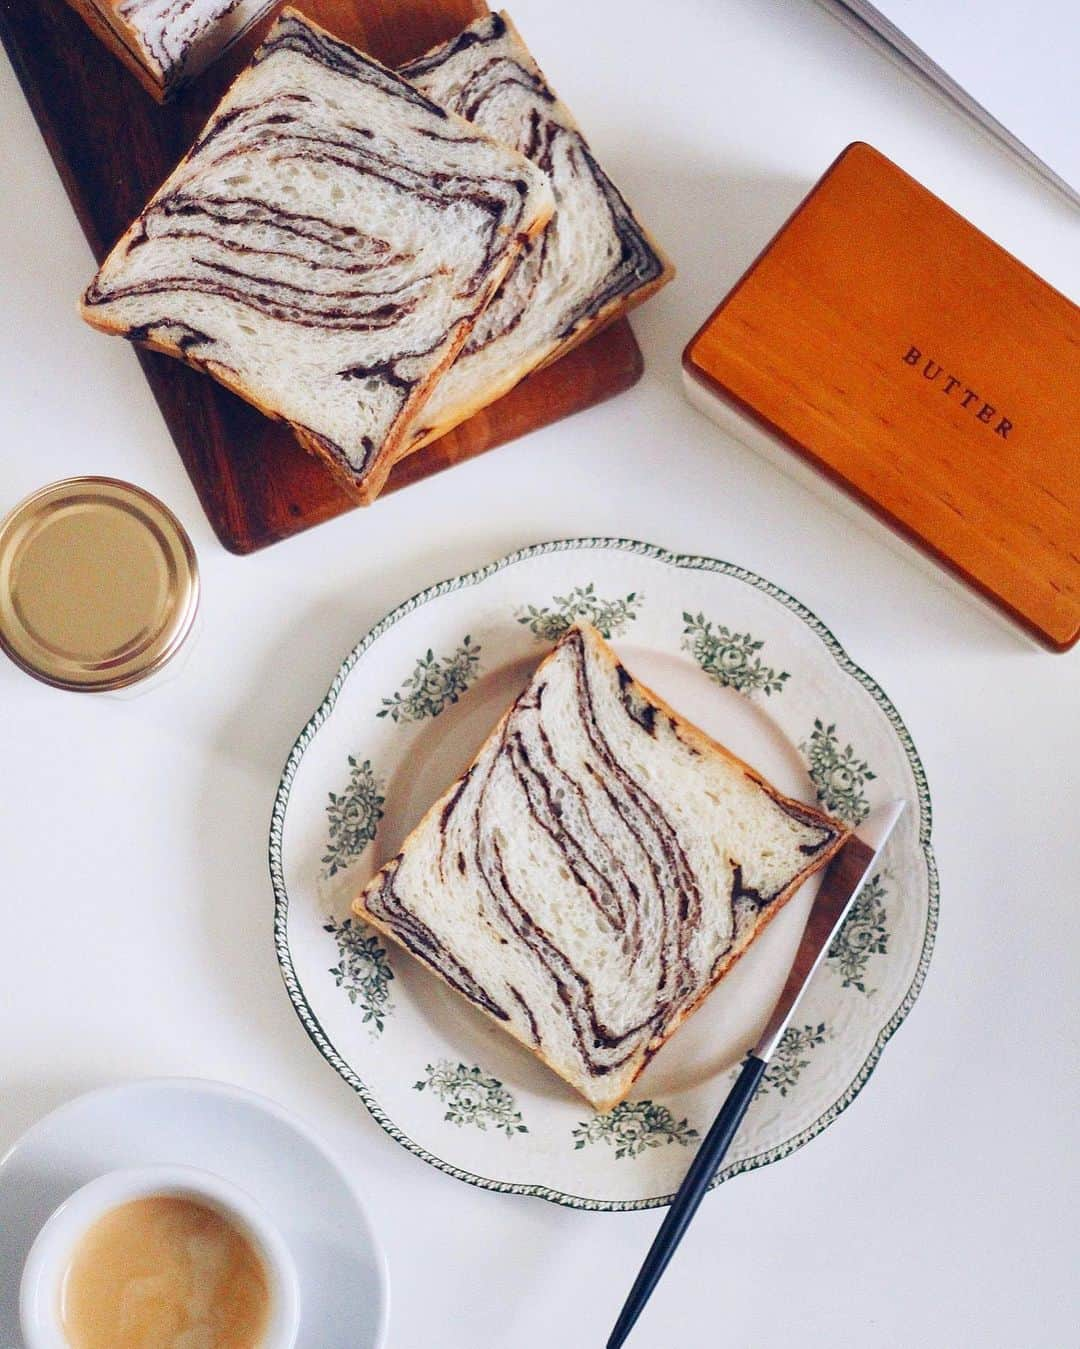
<point x="410" y="706"/>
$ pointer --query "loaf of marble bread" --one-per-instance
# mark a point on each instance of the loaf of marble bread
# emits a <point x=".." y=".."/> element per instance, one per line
<point x="325" y="247"/>
<point x="596" y="871"/>
<point x="166" y="43"/>
<point x="593" y="262"/>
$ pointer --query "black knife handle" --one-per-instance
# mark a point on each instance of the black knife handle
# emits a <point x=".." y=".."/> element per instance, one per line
<point x="690" y="1194"/>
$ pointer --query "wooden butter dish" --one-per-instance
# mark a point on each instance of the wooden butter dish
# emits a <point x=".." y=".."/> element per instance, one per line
<point x="884" y="346"/>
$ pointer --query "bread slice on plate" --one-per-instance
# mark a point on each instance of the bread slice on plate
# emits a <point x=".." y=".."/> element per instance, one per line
<point x="593" y="262"/>
<point x="596" y="871"/>
<point x="325" y="247"/>
<point x="166" y="43"/>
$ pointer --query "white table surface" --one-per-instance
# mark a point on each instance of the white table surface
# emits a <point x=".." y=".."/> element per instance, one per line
<point x="941" y="1209"/>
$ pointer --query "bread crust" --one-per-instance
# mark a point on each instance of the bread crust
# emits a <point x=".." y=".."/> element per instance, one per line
<point x="124" y="40"/>
<point x="556" y="347"/>
<point x="512" y="378"/>
<point x="366" y="490"/>
<point x="702" y="742"/>
<point x="125" y="48"/>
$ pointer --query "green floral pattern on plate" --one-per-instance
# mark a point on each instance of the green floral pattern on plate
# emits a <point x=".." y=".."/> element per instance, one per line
<point x="434" y="684"/>
<point x="839" y="775"/>
<point x="863" y="935"/>
<point x="354" y="816"/>
<point x="472" y="1097"/>
<point x="609" y="617"/>
<point x="634" y="1126"/>
<point x="790" y="1058"/>
<point x="363" y="969"/>
<point x="731" y="658"/>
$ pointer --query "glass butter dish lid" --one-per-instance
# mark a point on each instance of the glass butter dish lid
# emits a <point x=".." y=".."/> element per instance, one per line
<point x="98" y="584"/>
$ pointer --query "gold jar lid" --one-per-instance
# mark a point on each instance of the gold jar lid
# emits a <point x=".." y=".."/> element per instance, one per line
<point x="98" y="584"/>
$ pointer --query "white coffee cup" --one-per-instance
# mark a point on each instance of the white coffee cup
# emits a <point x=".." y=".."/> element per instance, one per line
<point x="54" y="1246"/>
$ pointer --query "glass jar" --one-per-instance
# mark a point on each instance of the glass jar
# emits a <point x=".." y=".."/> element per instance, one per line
<point x="99" y="585"/>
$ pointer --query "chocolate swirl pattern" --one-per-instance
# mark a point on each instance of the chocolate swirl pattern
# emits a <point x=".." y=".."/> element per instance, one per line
<point x="592" y="262"/>
<point x="596" y="870"/>
<point x="169" y="42"/>
<point x="325" y="247"/>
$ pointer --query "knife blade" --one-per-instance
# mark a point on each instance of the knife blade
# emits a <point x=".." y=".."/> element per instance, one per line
<point x="839" y="889"/>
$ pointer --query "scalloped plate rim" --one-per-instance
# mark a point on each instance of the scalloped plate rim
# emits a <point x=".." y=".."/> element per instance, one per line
<point x="683" y="561"/>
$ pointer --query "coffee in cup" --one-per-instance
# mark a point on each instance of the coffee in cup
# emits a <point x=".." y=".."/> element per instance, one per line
<point x="164" y="1257"/>
<point x="164" y="1271"/>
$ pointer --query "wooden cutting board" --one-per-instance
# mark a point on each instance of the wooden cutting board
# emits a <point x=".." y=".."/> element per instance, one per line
<point x="113" y="146"/>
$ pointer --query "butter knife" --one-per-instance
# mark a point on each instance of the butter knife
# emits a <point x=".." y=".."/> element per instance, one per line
<point x="839" y="889"/>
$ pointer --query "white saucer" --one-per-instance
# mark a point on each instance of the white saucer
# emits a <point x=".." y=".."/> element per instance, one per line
<point x="246" y="1138"/>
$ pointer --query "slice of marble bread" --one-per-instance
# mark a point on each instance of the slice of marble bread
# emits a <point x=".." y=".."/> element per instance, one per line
<point x="596" y="871"/>
<point x="592" y="263"/>
<point x="167" y="43"/>
<point x="325" y="247"/>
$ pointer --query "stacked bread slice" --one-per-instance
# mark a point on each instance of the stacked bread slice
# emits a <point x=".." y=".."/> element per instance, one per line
<point x="167" y="43"/>
<point x="592" y="263"/>
<point x="596" y="871"/>
<point x="325" y="246"/>
<point x="346" y="251"/>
